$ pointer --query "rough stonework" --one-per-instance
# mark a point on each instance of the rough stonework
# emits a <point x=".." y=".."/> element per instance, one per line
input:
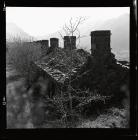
<point x="100" y="46"/>
<point x="100" y="42"/>
<point x="70" y="42"/>
<point x="54" y="43"/>
<point x="85" y="70"/>
<point x="104" y="73"/>
<point x="59" y="63"/>
<point x="44" y="45"/>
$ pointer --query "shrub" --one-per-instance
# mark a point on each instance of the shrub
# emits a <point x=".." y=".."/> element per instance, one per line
<point x="21" y="55"/>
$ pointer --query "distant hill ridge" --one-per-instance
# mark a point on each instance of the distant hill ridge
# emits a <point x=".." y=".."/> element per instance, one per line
<point x="13" y="32"/>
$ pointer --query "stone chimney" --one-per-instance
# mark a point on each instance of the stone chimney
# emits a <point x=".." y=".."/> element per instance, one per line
<point x="45" y="42"/>
<point x="100" y="42"/>
<point x="70" y="42"/>
<point x="44" y="45"/>
<point x="54" y="43"/>
<point x="101" y="49"/>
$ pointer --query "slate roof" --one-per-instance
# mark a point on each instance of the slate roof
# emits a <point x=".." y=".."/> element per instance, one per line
<point x="60" y="64"/>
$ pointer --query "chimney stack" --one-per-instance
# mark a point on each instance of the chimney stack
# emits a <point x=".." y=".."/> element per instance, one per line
<point x="54" y="43"/>
<point x="100" y="42"/>
<point x="70" y="42"/>
<point x="44" y="45"/>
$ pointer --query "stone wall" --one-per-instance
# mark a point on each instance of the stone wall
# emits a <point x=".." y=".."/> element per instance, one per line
<point x="44" y="43"/>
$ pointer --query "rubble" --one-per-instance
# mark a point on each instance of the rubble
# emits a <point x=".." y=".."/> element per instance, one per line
<point x="61" y="64"/>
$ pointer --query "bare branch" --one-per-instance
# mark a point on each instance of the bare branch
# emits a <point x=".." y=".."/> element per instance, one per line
<point x="78" y="38"/>
<point x="79" y="21"/>
<point x="78" y="34"/>
<point x="61" y="35"/>
<point x="72" y="29"/>
<point x="71" y="25"/>
<point x="66" y="31"/>
<point x="66" y="27"/>
<point x="75" y="23"/>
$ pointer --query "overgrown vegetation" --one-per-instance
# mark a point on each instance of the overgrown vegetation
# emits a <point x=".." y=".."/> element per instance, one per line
<point x="21" y="55"/>
<point x="94" y="88"/>
<point x="107" y="78"/>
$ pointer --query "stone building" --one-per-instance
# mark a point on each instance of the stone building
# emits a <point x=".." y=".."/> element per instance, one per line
<point x="60" y="66"/>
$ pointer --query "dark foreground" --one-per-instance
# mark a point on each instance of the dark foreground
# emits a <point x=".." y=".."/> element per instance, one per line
<point x="22" y="112"/>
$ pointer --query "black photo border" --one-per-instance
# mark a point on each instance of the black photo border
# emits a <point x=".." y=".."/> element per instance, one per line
<point x="37" y="133"/>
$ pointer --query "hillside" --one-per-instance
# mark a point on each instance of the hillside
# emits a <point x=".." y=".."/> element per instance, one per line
<point x="120" y="35"/>
<point x="13" y="31"/>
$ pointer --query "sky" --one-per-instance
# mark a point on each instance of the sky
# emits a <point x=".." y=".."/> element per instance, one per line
<point x="39" y="21"/>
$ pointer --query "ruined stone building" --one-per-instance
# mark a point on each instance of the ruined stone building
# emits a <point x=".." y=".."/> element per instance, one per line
<point x="61" y="64"/>
<point x="58" y="64"/>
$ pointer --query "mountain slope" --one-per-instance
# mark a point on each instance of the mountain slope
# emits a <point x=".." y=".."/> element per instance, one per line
<point x="13" y="31"/>
<point x="120" y="35"/>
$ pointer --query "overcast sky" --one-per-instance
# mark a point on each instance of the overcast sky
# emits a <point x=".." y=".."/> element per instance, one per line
<point x="38" y="21"/>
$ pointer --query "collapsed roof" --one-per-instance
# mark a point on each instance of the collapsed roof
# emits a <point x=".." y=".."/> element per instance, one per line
<point x="60" y="63"/>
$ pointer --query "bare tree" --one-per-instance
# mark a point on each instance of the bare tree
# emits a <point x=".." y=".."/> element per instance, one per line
<point x="72" y="29"/>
